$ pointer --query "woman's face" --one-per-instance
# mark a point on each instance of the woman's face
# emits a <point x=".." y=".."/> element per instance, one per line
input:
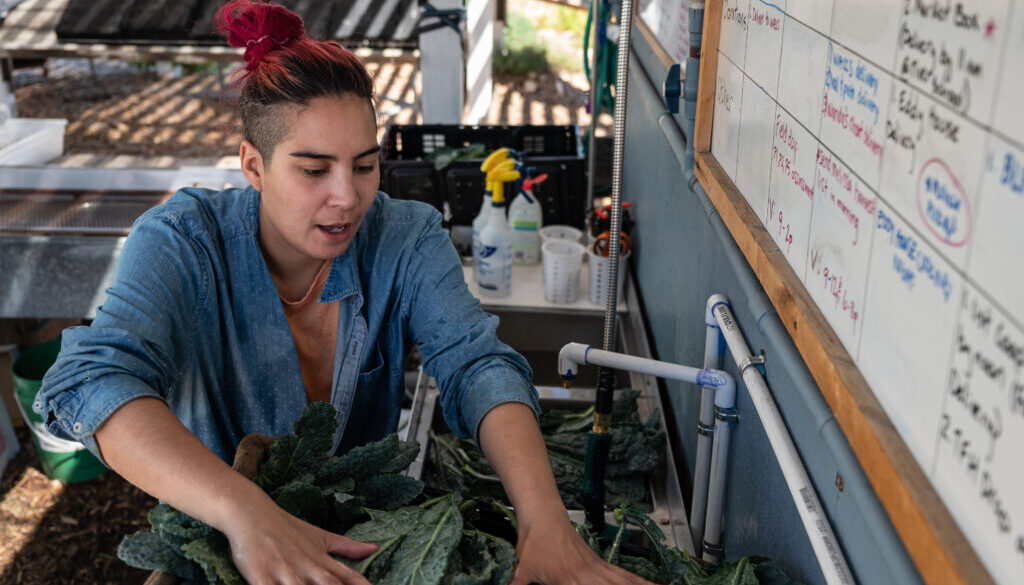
<point x="319" y="183"/>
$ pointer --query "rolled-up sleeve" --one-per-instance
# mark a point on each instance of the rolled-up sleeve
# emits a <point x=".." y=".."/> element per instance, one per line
<point x="133" y="347"/>
<point x="458" y="340"/>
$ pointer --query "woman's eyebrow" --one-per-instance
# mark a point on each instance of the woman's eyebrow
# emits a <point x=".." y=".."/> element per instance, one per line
<point x="373" y="150"/>
<point x="314" y="155"/>
<point x="331" y="157"/>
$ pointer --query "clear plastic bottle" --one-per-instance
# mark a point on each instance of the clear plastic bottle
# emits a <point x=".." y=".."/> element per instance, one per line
<point x="494" y="269"/>
<point x="526" y="217"/>
<point x="503" y="165"/>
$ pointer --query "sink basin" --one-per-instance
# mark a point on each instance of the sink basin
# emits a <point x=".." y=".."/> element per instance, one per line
<point x="538" y="335"/>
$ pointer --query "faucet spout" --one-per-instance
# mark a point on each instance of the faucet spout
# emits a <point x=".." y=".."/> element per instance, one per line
<point x="569" y="359"/>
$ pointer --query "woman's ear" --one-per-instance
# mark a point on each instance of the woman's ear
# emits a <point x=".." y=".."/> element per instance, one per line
<point x="252" y="164"/>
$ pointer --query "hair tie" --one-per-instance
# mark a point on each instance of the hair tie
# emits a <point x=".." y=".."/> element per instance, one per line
<point x="254" y="51"/>
<point x="273" y="40"/>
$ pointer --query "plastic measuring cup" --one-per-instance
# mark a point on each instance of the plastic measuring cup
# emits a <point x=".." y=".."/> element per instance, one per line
<point x="562" y="260"/>
<point x="560" y="232"/>
<point x="600" y="271"/>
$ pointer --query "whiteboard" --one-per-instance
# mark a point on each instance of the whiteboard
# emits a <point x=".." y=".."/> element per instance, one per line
<point x="669" y="20"/>
<point x="881" y="145"/>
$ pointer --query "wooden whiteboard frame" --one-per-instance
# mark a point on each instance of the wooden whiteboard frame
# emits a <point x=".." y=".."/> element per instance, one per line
<point x="935" y="543"/>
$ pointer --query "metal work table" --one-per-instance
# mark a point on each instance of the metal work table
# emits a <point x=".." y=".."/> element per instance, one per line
<point x="65" y="229"/>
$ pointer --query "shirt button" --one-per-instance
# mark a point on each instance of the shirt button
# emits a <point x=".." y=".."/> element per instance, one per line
<point x="77" y="427"/>
<point x="37" y="405"/>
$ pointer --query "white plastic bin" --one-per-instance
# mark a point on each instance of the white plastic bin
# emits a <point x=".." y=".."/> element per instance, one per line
<point x="31" y="141"/>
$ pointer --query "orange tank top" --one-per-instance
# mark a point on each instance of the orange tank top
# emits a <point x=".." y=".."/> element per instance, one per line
<point x="314" y="328"/>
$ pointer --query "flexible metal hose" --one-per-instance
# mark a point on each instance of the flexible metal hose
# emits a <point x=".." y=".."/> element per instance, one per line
<point x="618" y="153"/>
<point x="599" y="439"/>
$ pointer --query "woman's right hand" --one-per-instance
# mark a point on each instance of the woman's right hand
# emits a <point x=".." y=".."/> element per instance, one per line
<point x="272" y="547"/>
<point x="147" y="445"/>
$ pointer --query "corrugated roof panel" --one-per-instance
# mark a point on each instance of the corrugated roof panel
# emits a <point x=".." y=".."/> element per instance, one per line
<point x="159" y="20"/>
<point x="90" y="20"/>
<point x="317" y="15"/>
<point x="205" y="27"/>
<point x="387" y="23"/>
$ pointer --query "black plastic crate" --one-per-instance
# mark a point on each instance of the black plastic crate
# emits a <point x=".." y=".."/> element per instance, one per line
<point x="415" y="142"/>
<point x="457" y="189"/>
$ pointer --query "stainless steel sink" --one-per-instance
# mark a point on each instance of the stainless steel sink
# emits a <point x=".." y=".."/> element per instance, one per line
<point x="538" y="335"/>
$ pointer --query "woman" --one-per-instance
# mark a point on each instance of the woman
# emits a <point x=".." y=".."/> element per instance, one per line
<point x="231" y="311"/>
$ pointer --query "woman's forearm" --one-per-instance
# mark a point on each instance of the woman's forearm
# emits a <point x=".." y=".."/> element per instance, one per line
<point x="147" y="445"/>
<point x="513" y="445"/>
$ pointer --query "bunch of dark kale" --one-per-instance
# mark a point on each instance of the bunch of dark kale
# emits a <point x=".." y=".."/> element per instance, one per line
<point x="445" y="540"/>
<point x="638" y="449"/>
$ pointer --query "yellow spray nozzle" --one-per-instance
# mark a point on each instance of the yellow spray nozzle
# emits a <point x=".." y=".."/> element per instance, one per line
<point x="505" y="165"/>
<point x="502" y="175"/>
<point x="497" y="179"/>
<point x="494" y="159"/>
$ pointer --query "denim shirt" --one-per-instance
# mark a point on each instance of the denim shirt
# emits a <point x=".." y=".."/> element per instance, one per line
<point x="194" y="319"/>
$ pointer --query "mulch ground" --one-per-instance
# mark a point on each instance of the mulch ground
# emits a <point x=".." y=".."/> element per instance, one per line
<point x="138" y="113"/>
<point x="123" y="111"/>
<point x="53" y="533"/>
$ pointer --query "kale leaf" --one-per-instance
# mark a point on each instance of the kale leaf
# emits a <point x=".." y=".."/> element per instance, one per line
<point x="422" y="557"/>
<point x="472" y="563"/>
<point x="740" y="572"/>
<point x="176" y="528"/>
<point x="303" y="500"/>
<point x="384" y="525"/>
<point x="389" y="455"/>
<point x="304" y="451"/>
<point x="638" y="449"/>
<point x="147" y="551"/>
<point x="214" y="556"/>
<point x="389" y="491"/>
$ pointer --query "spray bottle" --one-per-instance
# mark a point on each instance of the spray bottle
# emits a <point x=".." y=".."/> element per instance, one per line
<point x="498" y="158"/>
<point x="494" y="271"/>
<point x="493" y="160"/>
<point x="526" y="218"/>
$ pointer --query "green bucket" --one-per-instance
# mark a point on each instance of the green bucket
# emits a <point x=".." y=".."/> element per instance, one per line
<point x="64" y="460"/>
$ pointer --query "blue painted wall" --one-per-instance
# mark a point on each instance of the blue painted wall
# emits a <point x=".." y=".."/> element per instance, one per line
<point x="679" y="261"/>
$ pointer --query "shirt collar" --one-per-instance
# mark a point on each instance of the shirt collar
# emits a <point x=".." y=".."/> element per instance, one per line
<point x="344" y="281"/>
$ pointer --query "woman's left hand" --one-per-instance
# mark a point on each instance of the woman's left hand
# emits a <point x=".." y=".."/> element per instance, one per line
<point x="552" y="553"/>
<point x="549" y="550"/>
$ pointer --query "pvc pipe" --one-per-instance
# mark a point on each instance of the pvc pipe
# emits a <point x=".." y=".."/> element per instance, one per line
<point x="816" y="524"/>
<point x="572" y="355"/>
<point x="711" y="544"/>
<point x="692" y="82"/>
<point x="724" y="387"/>
<point x="713" y="342"/>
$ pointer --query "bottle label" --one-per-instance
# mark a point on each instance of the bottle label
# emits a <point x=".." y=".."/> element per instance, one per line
<point x="529" y="226"/>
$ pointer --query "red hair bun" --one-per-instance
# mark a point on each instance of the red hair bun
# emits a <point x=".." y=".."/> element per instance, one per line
<point x="259" y="27"/>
